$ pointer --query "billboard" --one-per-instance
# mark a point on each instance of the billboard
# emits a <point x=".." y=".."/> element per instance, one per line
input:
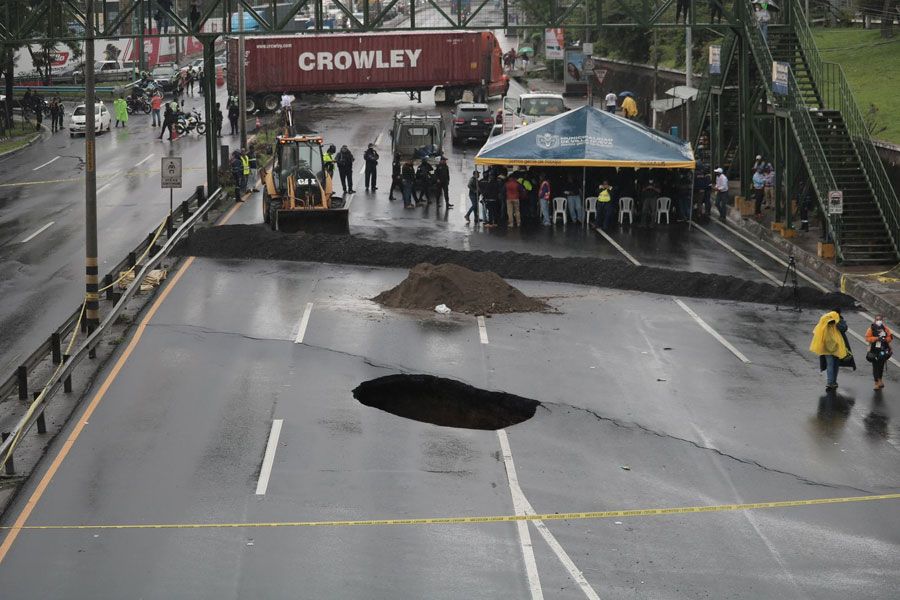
<point x="554" y="43"/>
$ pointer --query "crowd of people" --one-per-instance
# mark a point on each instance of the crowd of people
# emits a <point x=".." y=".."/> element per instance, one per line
<point x="525" y="196"/>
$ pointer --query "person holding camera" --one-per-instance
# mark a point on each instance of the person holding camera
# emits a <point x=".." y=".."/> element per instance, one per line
<point x="879" y="337"/>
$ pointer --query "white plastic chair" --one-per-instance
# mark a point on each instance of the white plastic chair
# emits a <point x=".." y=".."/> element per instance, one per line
<point x="590" y="206"/>
<point x="663" y="205"/>
<point x="626" y="207"/>
<point x="559" y="208"/>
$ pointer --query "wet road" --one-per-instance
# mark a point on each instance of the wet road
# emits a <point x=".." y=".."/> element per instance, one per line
<point x="42" y="220"/>
<point x="627" y="380"/>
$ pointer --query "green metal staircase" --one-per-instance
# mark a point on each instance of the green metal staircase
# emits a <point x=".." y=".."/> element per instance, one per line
<point x="828" y="131"/>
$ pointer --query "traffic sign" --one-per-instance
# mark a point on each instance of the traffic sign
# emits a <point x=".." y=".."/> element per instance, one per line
<point x="170" y="172"/>
<point x="835" y="202"/>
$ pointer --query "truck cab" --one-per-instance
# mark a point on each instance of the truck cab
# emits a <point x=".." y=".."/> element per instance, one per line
<point x="530" y="108"/>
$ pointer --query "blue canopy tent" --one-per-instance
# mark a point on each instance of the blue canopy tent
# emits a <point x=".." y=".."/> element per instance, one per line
<point x="587" y="137"/>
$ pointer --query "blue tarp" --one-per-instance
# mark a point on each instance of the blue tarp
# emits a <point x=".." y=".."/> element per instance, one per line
<point x="587" y="137"/>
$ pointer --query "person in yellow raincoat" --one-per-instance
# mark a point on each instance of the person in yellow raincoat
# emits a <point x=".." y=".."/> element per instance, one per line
<point x="829" y="341"/>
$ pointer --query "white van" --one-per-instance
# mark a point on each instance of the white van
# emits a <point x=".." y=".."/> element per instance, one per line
<point x="530" y="108"/>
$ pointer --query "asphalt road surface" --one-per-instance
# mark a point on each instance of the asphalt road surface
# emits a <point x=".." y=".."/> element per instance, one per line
<point x="42" y="220"/>
<point x="642" y="408"/>
<point x="42" y="213"/>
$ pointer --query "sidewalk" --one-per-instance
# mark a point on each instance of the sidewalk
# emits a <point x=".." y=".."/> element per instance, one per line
<point x="876" y="287"/>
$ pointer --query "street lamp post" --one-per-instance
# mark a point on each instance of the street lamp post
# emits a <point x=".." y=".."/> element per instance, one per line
<point x="242" y="84"/>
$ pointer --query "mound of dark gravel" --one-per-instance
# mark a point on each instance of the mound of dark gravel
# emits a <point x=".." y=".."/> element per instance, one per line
<point x="461" y="289"/>
<point x="259" y="242"/>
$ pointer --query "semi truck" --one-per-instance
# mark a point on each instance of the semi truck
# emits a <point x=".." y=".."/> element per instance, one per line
<point x="450" y="63"/>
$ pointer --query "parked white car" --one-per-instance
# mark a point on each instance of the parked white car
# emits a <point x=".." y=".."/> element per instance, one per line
<point x="102" y="119"/>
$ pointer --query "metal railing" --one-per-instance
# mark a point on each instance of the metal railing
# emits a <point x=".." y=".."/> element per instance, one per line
<point x="65" y="365"/>
<point x="821" y="177"/>
<point x="837" y="95"/>
<point x="704" y="96"/>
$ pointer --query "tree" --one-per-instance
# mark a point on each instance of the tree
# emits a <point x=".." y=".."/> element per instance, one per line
<point x="15" y="14"/>
<point x="886" y="10"/>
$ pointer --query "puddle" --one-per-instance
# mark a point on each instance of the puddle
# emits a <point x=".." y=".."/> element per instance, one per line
<point x="444" y="402"/>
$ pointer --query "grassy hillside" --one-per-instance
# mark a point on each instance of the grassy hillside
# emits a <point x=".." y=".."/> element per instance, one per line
<point x="872" y="67"/>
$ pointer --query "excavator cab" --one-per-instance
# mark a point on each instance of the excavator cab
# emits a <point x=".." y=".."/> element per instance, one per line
<point x="297" y="192"/>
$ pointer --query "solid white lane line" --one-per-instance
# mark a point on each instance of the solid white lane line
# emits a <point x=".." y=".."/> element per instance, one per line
<point x="104" y="186"/>
<point x="36" y="233"/>
<point x="519" y="497"/>
<point x="482" y="330"/>
<point x="303" y="323"/>
<point x="618" y="247"/>
<point x="145" y="159"/>
<point x="52" y="160"/>
<point x="711" y="331"/>
<point x="784" y="264"/>
<point x="739" y="255"/>
<point x="519" y="501"/>
<point x="268" y="460"/>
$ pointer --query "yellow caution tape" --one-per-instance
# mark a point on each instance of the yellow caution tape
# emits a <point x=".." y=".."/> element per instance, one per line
<point x="571" y="516"/>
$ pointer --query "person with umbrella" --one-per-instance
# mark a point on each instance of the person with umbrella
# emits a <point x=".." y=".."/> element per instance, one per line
<point x="761" y="12"/>
<point x="629" y="106"/>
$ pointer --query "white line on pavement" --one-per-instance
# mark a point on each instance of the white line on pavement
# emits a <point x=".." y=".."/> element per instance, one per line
<point x="518" y="495"/>
<point x="482" y="330"/>
<point x="818" y="285"/>
<point x="712" y="331"/>
<point x="39" y="231"/>
<point x="266" y="471"/>
<point x="303" y="323"/>
<point x="380" y="135"/>
<point x="104" y="186"/>
<point x="740" y="256"/>
<point x="52" y="160"/>
<point x="619" y="248"/>
<point x="534" y="579"/>
<point x="145" y="159"/>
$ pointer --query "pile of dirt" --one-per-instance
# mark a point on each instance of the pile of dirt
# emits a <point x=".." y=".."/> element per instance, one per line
<point x="461" y="289"/>
<point x="259" y="242"/>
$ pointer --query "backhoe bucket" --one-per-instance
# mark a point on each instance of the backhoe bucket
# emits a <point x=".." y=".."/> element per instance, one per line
<point x="334" y="220"/>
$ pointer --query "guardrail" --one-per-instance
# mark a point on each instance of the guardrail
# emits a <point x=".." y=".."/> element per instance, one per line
<point x="53" y="346"/>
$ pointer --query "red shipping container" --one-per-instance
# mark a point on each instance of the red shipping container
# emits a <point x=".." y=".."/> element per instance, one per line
<point x="367" y="63"/>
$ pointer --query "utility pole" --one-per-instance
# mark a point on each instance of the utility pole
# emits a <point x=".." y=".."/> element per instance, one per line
<point x="91" y="279"/>
<point x="242" y="82"/>
<point x="688" y="72"/>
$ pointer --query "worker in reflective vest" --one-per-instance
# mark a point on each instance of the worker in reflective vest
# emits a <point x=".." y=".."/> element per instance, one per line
<point x="328" y="160"/>
<point x="245" y="169"/>
<point x="605" y="206"/>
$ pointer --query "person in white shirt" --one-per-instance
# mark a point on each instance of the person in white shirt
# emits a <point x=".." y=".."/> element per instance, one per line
<point x="721" y="187"/>
<point x="611" y="102"/>
<point x="769" y="174"/>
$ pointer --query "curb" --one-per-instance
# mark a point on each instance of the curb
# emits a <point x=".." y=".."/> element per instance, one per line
<point x="44" y="135"/>
<point x="848" y="284"/>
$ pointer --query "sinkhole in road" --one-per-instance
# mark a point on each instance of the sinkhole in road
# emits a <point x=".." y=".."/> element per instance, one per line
<point x="445" y="402"/>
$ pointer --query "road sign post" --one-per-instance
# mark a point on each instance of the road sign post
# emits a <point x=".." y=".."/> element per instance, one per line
<point x="170" y="178"/>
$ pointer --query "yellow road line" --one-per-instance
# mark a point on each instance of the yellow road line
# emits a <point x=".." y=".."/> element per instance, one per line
<point x="85" y="417"/>
<point x="571" y="516"/>
<point x="30" y="505"/>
